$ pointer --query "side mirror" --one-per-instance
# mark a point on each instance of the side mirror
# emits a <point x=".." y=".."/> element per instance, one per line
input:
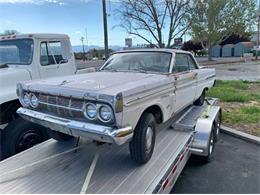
<point x="62" y="61"/>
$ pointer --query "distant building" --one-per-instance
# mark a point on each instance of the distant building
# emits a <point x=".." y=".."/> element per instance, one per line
<point x="243" y="47"/>
<point x="216" y="51"/>
<point x="228" y="50"/>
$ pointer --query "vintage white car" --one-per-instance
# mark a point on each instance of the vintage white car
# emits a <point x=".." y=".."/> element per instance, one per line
<point x="122" y="102"/>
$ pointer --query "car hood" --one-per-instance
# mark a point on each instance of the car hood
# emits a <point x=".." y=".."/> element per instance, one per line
<point x="110" y="83"/>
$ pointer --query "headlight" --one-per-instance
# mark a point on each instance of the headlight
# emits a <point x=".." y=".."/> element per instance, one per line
<point x="91" y="111"/>
<point x="34" y="102"/>
<point x="26" y="99"/>
<point x="105" y="113"/>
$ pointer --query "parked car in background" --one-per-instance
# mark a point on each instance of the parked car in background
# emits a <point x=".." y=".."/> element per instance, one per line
<point x="22" y="58"/>
<point x="123" y="102"/>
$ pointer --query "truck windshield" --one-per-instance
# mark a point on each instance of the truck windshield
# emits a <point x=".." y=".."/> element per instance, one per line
<point x="139" y="61"/>
<point x="16" y="51"/>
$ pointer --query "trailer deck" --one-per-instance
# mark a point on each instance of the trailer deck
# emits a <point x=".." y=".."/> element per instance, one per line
<point x="115" y="171"/>
<point x="60" y="167"/>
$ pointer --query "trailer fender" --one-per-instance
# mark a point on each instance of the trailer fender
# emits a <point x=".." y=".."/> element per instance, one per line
<point x="203" y="130"/>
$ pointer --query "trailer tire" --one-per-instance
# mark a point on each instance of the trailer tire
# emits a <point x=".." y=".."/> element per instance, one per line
<point x="20" y="135"/>
<point x="59" y="136"/>
<point x="201" y="99"/>
<point x="142" y="145"/>
<point x="217" y="124"/>
<point x="211" y="143"/>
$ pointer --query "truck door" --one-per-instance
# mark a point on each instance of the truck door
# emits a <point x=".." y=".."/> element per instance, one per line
<point x="185" y="81"/>
<point x="55" y="58"/>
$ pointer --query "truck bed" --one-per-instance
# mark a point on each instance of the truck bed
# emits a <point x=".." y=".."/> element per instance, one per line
<point x="115" y="172"/>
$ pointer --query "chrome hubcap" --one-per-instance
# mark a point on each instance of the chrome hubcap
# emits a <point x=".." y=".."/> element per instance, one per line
<point x="149" y="138"/>
<point x="211" y="144"/>
<point x="218" y="126"/>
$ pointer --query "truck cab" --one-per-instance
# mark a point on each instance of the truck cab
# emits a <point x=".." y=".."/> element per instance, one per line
<point x="23" y="58"/>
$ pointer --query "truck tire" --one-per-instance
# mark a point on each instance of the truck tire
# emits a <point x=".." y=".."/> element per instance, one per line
<point x="59" y="136"/>
<point x="142" y="145"/>
<point x="20" y="135"/>
<point x="200" y="100"/>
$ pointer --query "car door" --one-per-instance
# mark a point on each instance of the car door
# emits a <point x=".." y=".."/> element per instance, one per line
<point x="185" y="81"/>
<point x="194" y="68"/>
<point x="55" y="59"/>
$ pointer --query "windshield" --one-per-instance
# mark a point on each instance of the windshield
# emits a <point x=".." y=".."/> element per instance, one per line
<point x="16" y="51"/>
<point x="139" y="61"/>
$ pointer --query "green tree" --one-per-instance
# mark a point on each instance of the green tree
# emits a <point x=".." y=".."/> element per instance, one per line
<point x="9" y="32"/>
<point x="213" y="20"/>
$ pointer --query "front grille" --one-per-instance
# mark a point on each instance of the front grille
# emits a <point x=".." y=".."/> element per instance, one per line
<point x="61" y="106"/>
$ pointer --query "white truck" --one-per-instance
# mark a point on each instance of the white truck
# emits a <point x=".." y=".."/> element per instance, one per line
<point x="22" y="58"/>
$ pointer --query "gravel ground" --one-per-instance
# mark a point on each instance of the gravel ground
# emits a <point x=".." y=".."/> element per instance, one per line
<point x="245" y="71"/>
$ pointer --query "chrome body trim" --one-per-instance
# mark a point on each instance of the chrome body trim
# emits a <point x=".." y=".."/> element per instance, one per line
<point x="79" y="129"/>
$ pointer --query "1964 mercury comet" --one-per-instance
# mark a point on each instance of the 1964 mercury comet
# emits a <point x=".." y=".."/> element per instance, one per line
<point x="122" y="102"/>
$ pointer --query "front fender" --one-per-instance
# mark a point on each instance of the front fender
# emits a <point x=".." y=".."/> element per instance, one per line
<point x="9" y="77"/>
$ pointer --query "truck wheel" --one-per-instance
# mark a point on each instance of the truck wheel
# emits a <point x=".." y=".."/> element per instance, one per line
<point x="59" y="136"/>
<point x="20" y="135"/>
<point x="142" y="145"/>
<point x="200" y="101"/>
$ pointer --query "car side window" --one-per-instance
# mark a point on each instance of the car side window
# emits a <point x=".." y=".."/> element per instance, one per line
<point x="51" y="53"/>
<point x="181" y="63"/>
<point x="192" y="63"/>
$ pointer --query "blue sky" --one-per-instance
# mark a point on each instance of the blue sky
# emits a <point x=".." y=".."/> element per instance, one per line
<point x="71" y="17"/>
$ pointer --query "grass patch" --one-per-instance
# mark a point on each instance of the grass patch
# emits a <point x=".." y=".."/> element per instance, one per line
<point x="242" y="115"/>
<point x="233" y="91"/>
<point x="240" y="103"/>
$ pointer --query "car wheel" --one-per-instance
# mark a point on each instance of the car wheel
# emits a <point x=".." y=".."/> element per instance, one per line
<point x="20" y="135"/>
<point x="142" y="145"/>
<point x="59" y="136"/>
<point x="200" y="101"/>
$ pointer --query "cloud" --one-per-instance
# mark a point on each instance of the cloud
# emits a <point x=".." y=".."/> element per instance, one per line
<point x="78" y="32"/>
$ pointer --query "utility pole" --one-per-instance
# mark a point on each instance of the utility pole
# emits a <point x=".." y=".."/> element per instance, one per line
<point x="258" y="33"/>
<point x="105" y="28"/>
<point x="86" y="30"/>
<point x="82" y="40"/>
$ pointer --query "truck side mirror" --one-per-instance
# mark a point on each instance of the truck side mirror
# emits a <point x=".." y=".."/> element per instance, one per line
<point x="62" y="61"/>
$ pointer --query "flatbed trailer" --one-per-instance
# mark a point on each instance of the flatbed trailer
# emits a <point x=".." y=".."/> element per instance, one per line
<point x="61" y="167"/>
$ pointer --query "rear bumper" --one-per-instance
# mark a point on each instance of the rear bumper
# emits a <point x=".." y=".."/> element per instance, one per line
<point x="77" y="128"/>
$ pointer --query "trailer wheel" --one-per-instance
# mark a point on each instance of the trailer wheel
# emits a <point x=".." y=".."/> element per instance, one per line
<point x="20" y="135"/>
<point x="217" y="127"/>
<point x="211" y="144"/>
<point x="59" y="136"/>
<point x="200" y="100"/>
<point x="142" y="145"/>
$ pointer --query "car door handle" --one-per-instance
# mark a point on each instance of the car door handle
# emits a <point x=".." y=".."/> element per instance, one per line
<point x="195" y="75"/>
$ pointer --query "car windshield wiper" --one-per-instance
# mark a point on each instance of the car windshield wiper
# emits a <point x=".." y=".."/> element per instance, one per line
<point x="138" y="70"/>
<point x="110" y="69"/>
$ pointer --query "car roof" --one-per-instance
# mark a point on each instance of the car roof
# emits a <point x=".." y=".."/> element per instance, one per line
<point x="167" y="50"/>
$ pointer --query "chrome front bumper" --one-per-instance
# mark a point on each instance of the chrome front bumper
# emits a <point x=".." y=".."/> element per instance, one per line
<point x="76" y="128"/>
